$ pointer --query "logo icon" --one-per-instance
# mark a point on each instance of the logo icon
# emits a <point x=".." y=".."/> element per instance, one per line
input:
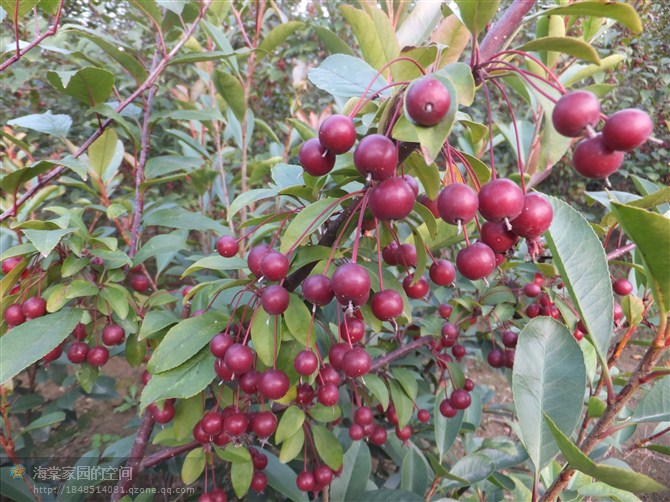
<point x="17" y="471"/>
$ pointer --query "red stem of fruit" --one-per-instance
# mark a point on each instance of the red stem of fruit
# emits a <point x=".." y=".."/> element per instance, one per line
<point x="354" y="252"/>
<point x="361" y="104"/>
<point x="516" y="134"/>
<point x="354" y="207"/>
<point x="490" y="120"/>
<point x="379" y="256"/>
<point x="558" y="86"/>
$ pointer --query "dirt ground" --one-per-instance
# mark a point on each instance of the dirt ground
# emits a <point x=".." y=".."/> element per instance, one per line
<point x="102" y="425"/>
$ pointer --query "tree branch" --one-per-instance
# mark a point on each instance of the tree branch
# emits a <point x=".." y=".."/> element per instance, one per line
<point x="136" y="455"/>
<point x="499" y="33"/>
<point x="153" y="76"/>
<point x="399" y="352"/>
<point x="22" y="52"/>
<point x="613" y="255"/>
<point x="167" y="454"/>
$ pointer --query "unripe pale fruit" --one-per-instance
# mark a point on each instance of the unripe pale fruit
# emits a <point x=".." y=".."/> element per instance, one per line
<point x="627" y="129"/>
<point x="500" y="199"/>
<point x="574" y="111"/>
<point x="498" y="237"/>
<point x="457" y="203"/>
<point x="376" y="155"/>
<point x="227" y="246"/>
<point x="535" y="218"/>
<point x="274" y="266"/>
<point x="337" y="134"/>
<point x="427" y="101"/>
<point x="386" y="304"/>
<point x="593" y="159"/>
<point x="391" y="199"/>
<point x="476" y="261"/>
<point x="275" y="300"/>
<point x="315" y="159"/>
<point x="351" y="283"/>
<point x="317" y="289"/>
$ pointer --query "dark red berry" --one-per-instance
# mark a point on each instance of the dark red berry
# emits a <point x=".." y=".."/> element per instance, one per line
<point x="220" y="343"/>
<point x="227" y="246"/>
<point x="363" y="416"/>
<point x="315" y="159"/>
<point x="14" y="315"/>
<point x="79" y="331"/>
<point x="416" y="291"/>
<point x="212" y="423"/>
<point x="305" y="362"/>
<point x="509" y="338"/>
<point x="10" y="263"/>
<point x="113" y="334"/>
<point x="275" y="300"/>
<point x="460" y="399"/>
<point x="498" y="237"/>
<point x="389" y="254"/>
<point x="249" y="381"/>
<point x="274" y="266"/>
<point x="378" y="436"/>
<point x="386" y="304"/>
<point x="239" y="358"/>
<point x="317" y="289"/>
<point x="532" y="290"/>
<point x="352" y="329"/>
<point x="427" y="101"/>
<point x="305" y="481"/>
<point x="535" y="218"/>
<point x="496" y="358"/>
<point x="627" y="129"/>
<point x="77" y="352"/>
<point x="405" y="255"/>
<point x="328" y="395"/>
<point x="323" y="475"/>
<point x="430" y="204"/>
<point x="356" y="362"/>
<point x="391" y="199"/>
<point x="97" y="356"/>
<point x="442" y="272"/>
<point x="139" y="283"/>
<point x="304" y="394"/>
<point x="447" y="410"/>
<point x="468" y="385"/>
<point x="593" y="159"/>
<point x="423" y="416"/>
<point x="574" y="112"/>
<point x="235" y="424"/>
<point x="476" y="261"/>
<point x="351" y="283"/>
<point x="376" y="155"/>
<point x="254" y="259"/>
<point x="457" y="203"/>
<point x="336" y="354"/>
<point x="264" y="424"/>
<point x="411" y="181"/>
<point x="259" y="481"/>
<point x="162" y="416"/>
<point x="500" y="199"/>
<point x="273" y="384"/>
<point x="34" y="307"/>
<point x="621" y="287"/>
<point x="445" y="310"/>
<point x="337" y="134"/>
<point x="403" y="434"/>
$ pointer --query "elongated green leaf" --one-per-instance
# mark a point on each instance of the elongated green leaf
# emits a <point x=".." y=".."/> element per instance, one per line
<point x="346" y="76"/>
<point x="176" y="217"/>
<point x="419" y="24"/>
<point x="89" y="85"/>
<point x="375" y="34"/>
<point x="194" y="465"/>
<point x="25" y="344"/>
<point x="298" y="318"/>
<point x="549" y="377"/>
<point x="650" y="231"/>
<point x="402" y="402"/>
<point x="156" y="320"/>
<point x="263" y="336"/>
<point x="577" y="73"/>
<point x="414" y="472"/>
<point x="48" y="123"/>
<point x="282" y="478"/>
<point x="603" y="491"/>
<point x="44" y="421"/>
<point x="655" y="405"/>
<point x="185" y="340"/>
<point x="291" y="421"/>
<point x="332" y="41"/>
<point x="621" y="11"/>
<point x="580" y="258"/>
<point x="328" y="446"/>
<point x="241" y="474"/>
<point x="614" y="476"/>
<point x="292" y="446"/>
<point x="378" y="389"/>
<point x="23" y="7"/>
<point x="446" y="429"/>
<point x="471" y="469"/>
<point x="307" y="222"/>
<point x="408" y="380"/>
<point x="150" y="9"/>
<point x="184" y="381"/>
<point x="231" y="90"/>
<point x="160" y="244"/>
<point x="477" y="13"/>
<point x="277" y="36"/>
<point x="102" y="151"/>
<point x="356" y="468"/>
<point x="573" y="46"/>
<point x="246" y="198"/>
<point x="216" y="262"/>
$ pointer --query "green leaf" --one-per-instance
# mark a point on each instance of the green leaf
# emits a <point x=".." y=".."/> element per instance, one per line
<point x="89" y="85"/>
<point x="573" y="46"/>
<point x="185" y="340"/>
<point x="446" y="429"/>
<point x="44" y="421"/>
<point x="655" y="405"/>
<point x="476" y="14"/>
<point x="29" y="342"/>
<point x="292" y="446"/>
<point x="548" y="361"/>
<point x="428" y="174"/>
<point x="414" y="472"/>
<point x="307" y="222"/>
<point x="470" y="470"/>
<point x="80" y="288"/>
<point x="193" y="467"/>
<point x="149" y="9"/>
<point x="603" y="491"/>
<point x="23" y="6"/>
<point x="333" y="43"/>
<point x="72" y="265"/>
<point x="155" y="321"/>
<point x="277" y="36"/>
<point x="328" y="446"/>
<point x="282" y="478"/>
<point x="419" y="24"/>
<point x="184" y="381"/>
<point x="346" y="76"/>
<point x="246" y="198"/>
<point x="160" y="244"/>
<point x="231" y="90"/>
<point x="408" y="380"/>
<point x="374" y="33"/>
<point x="649" y="231"/>
<point x="402" y="402"/>
<point x="13" y="181"/>
<point x="460" y="75"/>
<point x="325" y="414"/>
<point x="263" y="336"/>
<point x="614" y="476"/>
<point x="298" y="320"/>
<point x="48" y="123"/>
<point x="241" y="474"/>
<point x="177" y="217"/>
<point x="234" y="454"/>
<point x="581" y="261"/>
<point x="102" y="151"/>
<point x="187" y="413"/>
<point x="577" y="73"/>
<point x="46" y="240"/>
<point x="135" y="350"/>
<point x="291" y="421"/>
<point x="377" y="388"/>
<point x="620" y="11"/>
<point x="86" y="376"/>
<point x="216" y="262"/>
<point x="356" y="469"/>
